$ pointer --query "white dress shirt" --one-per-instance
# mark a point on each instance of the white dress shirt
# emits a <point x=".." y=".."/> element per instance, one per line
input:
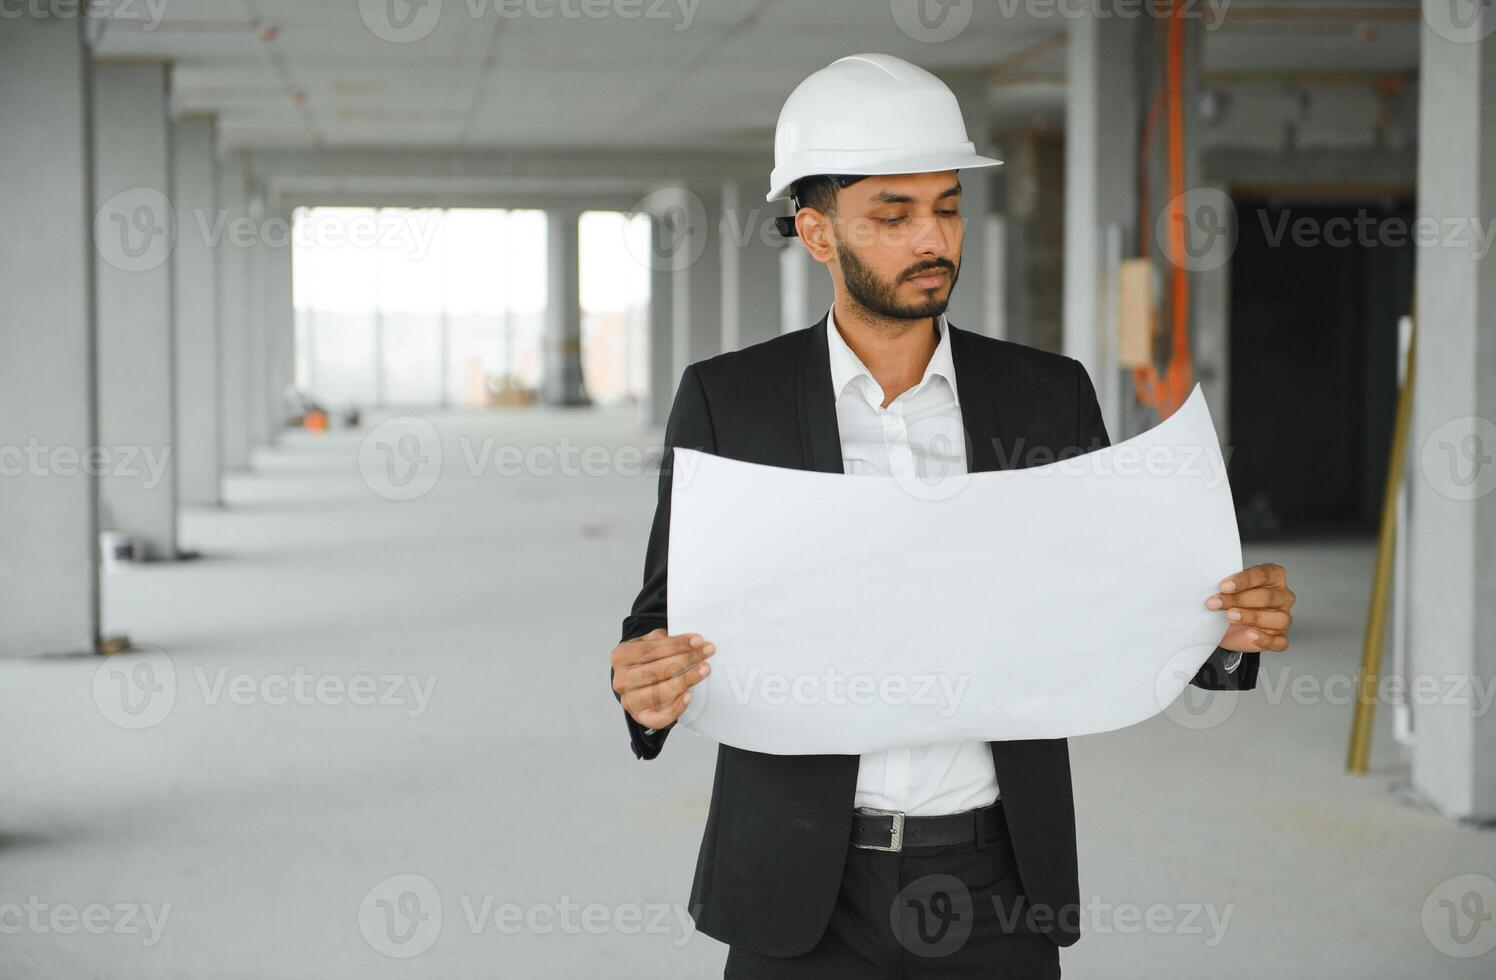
<point x="918" y="437"/>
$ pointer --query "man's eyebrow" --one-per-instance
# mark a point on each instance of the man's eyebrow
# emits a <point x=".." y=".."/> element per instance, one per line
<point x="889" y="197"/>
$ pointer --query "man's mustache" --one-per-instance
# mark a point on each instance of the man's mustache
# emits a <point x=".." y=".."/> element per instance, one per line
<point x="945" y="264"/>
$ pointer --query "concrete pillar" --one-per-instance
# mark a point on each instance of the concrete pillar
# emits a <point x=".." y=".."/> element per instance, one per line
<point x="133" y="230"/>
<point x="1031" y="194"/>
<point x="195" y="288"/>
<point x="258" y="260"/>
<point x="561" y="358"/>
<point x="1101" y="113"/>
<point x="750" y="268"/>
<point x="1452" y="443"/>
<point x="686" y="263"/>
<point x="805" y="290"/>
<point x="996" y="284"/>
<point x="1209" y="209"/>
<point x="280" y="321"/>
<point x="49" y="599"/>
<point x="969" y="307"/>
<point x="696" y="286"/>
<point x="662" y="376"/>
<point x="233" y="248"/>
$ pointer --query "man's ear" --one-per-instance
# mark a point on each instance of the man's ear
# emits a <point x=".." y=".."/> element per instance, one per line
<point x="814" y="231"/>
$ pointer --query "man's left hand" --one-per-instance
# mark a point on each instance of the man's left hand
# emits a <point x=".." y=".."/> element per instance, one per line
<point x="1257" y="601"/>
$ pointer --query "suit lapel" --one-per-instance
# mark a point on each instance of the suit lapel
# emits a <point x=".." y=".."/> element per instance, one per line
<point x="978" y="410"/>
<point x="821" y="439"/>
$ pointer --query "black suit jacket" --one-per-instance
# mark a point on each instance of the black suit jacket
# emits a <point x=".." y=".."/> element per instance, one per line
<point x="778" y="827"/>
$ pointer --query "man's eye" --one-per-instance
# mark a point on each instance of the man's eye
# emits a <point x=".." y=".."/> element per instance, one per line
<point x="949" y="213"/>
<point x="892" y="221"/>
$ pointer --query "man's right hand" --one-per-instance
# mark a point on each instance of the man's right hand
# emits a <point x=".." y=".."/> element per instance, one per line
<point x="653" y="674"/>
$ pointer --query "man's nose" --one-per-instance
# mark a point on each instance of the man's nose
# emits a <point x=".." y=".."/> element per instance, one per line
<point x="929" y="238"/>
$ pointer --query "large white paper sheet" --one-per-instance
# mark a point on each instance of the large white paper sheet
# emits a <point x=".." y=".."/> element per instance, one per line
<point x="856" y="614"/>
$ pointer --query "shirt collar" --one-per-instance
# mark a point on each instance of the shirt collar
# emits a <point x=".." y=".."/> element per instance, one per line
<point x="846" y="365"/>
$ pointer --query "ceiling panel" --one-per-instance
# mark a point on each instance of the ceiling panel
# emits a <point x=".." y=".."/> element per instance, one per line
<point x="681" y="73"/>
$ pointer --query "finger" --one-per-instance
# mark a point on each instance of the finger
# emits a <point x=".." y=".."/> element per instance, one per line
<point x="668" y="646"/>
<point x="1277" y="619"/>
<point x="646" y="703"/>
<point x="1253" y="639"/>
<point x="1260" y="598"/>
<point x="644" y="692"/>
<point x="656" y="671"/>
<point x="660" y="717"/>
<point x="1273" y="642"/>
<point x="673" y="645"/>
<point x="1254" y="576"/>
<point x="657" y="699"/>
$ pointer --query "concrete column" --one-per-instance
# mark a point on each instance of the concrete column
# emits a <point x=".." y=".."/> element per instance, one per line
<point x="133" y="231"/>
<point x="49" y="600"/>
<point x="1101" y="115"/>
<point x="969" y="306"/>
<point x="696" y="286"/>
<point x="750" y="268"/>
<point x="280" y="321"/>
<point x="1209" y="209"/>
<point x="1452" y="442"/>
<point x="233" y="320"/>
<point x="257" y="330"/>
<point x="195" y="291"/>
<point x="686" y="261"/>
<point x="561" y="358"/>
<point x="1210" y="323"/>
<point x="805" y="290"/>
<point x="996" y="283"/>
<point x="662" y="376"/>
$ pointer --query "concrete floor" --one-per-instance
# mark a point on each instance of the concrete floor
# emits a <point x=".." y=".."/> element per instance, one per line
<point x="273" y="827"/>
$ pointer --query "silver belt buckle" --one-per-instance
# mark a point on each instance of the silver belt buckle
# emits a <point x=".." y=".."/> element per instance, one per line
<point x="896" y="838"/>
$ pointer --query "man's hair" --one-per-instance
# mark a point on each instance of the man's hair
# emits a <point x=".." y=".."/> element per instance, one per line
<point x="817" y="191"/>
<point x="814" y="191"/>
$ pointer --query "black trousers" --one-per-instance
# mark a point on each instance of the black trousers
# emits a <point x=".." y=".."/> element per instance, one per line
<point x="954" y="911"/>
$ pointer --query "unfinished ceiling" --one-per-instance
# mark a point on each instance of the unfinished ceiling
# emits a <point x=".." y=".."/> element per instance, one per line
<point x="648" y="73"/>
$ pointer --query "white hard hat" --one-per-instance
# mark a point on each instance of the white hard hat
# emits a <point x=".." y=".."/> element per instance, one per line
<point x="869" y="114"/>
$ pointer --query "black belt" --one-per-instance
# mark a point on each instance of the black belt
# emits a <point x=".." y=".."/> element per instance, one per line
<point x="890" y="830"/>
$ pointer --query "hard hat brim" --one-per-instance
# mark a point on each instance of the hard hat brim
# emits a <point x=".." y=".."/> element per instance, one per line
<point x="826" y="162"/>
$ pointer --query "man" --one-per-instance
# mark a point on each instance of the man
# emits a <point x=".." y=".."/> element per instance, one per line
<point x="899" y="863"/>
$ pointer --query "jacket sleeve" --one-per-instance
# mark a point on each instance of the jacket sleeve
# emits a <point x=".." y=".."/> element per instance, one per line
<point x="690" y="426"/>
<point x="1212" y="675"/>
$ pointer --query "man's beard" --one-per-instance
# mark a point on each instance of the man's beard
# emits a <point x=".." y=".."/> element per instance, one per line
<point x="880" y="298"/>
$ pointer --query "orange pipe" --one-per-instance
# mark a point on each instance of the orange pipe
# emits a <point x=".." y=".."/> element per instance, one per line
<point x="1168" y="391"/>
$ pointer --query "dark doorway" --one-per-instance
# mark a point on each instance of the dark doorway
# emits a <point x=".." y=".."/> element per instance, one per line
<point x="1314" y="359"/>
